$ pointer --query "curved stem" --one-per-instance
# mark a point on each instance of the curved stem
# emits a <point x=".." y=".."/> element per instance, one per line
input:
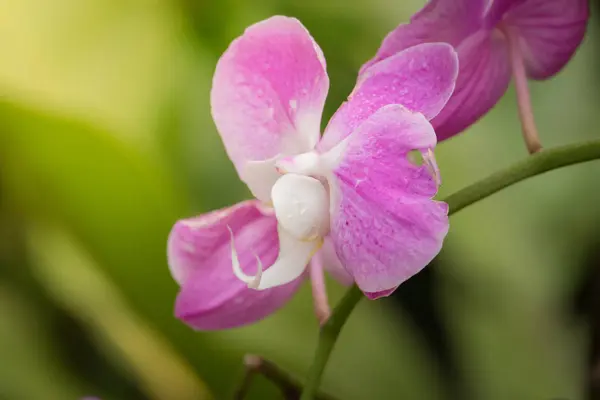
<point x="536" y="164"/>
<point x="288" y="385"/>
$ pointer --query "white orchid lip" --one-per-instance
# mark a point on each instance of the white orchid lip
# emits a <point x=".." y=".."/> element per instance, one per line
<point x="294" y="256"/>
<point x="301" y="205"/>
<point x="251" y="281"/>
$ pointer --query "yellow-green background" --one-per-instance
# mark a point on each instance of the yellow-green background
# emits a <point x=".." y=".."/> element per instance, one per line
<point x="106" y="139"/>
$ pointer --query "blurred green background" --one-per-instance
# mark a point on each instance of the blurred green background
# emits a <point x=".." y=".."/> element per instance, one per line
<point x="106" y="139"/>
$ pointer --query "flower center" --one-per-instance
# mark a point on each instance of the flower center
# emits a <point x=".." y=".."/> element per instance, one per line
<point x="304" y="164"/>
<point x="301" y="206"/>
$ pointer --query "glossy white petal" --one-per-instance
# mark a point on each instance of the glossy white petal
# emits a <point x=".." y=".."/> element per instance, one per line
<point x="294" y="256"/>
<point x="260" y="176"/>
<point x="251" y="281"/>
<point x="301" y="206"/>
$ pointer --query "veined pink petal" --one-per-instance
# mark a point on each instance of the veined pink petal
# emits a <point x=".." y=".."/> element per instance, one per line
<point x="447" y="21"/>
<point x="483" y="78"/>
<point x="421" y="78"/>
<point x="498" y="9"/>
<point x="550" y="32"/>
<point x="199" y="254"/>
<point x="268" y="93"/>
<point x="384" y="225"/>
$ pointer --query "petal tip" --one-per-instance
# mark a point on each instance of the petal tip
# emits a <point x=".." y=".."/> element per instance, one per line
<point x="275" y="20"/>
<point x="380" y="294"/>
<point x="176" y="246"/>
<point x="187" y="313"/>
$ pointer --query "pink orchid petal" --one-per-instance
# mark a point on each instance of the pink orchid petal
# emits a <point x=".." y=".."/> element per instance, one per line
<point x="268" y="92"/>
<point x="199" y="254"/>
<point x="498" y="9"/>
<point x="439" y="21"/>
<point x="332" y="263"/>
<point x="550" y="32"/>
<point x="384" y="226"/>
<point x="483" y="79"/>
<point x="383" y="293"/>
<point x="420" y="78"/>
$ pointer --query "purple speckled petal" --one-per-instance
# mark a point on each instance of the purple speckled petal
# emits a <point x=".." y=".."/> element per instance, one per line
<point x="550" y="31"/>
<point x="483" y="79"/>
<point x="268" y="93"/>
<point x="447" y="21"/>
<point x="199" y="255"/>
<point x="384" y="224"/>
<point x="420" y="78"/>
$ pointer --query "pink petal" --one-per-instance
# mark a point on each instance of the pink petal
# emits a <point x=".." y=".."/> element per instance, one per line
<point x="333" y="265"/>
<point x="199" y="255"/>
<point x="385" y="226"/>
<point x="447" y="21"/>
<point x="268" y="92"/>
<point x="420" y="78"/>
<point x="483" y="78"/>
<point x="497" y="10"/>
<point x="383" y="293"/>
<point x="550" y="32"/>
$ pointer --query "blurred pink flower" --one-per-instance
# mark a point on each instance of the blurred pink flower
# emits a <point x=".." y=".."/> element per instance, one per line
<point x="351" y="200"/>
<point x="495" y="39"/>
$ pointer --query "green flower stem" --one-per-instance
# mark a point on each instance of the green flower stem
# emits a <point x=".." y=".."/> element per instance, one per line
<point x="536" y="164"/>
<point x="327" y="337"/>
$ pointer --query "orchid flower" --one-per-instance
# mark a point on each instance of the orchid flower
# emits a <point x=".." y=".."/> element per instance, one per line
<point x="495" y="39"/>
<point x="351" y="200"/>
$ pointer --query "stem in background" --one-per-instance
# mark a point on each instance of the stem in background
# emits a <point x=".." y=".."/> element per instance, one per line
<point x="290" y="387"/>
<point x="252" y="363"/>
<point x="530" y="133"/>
<point x="536" y="164"/>
<point x="327" y="338"/>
